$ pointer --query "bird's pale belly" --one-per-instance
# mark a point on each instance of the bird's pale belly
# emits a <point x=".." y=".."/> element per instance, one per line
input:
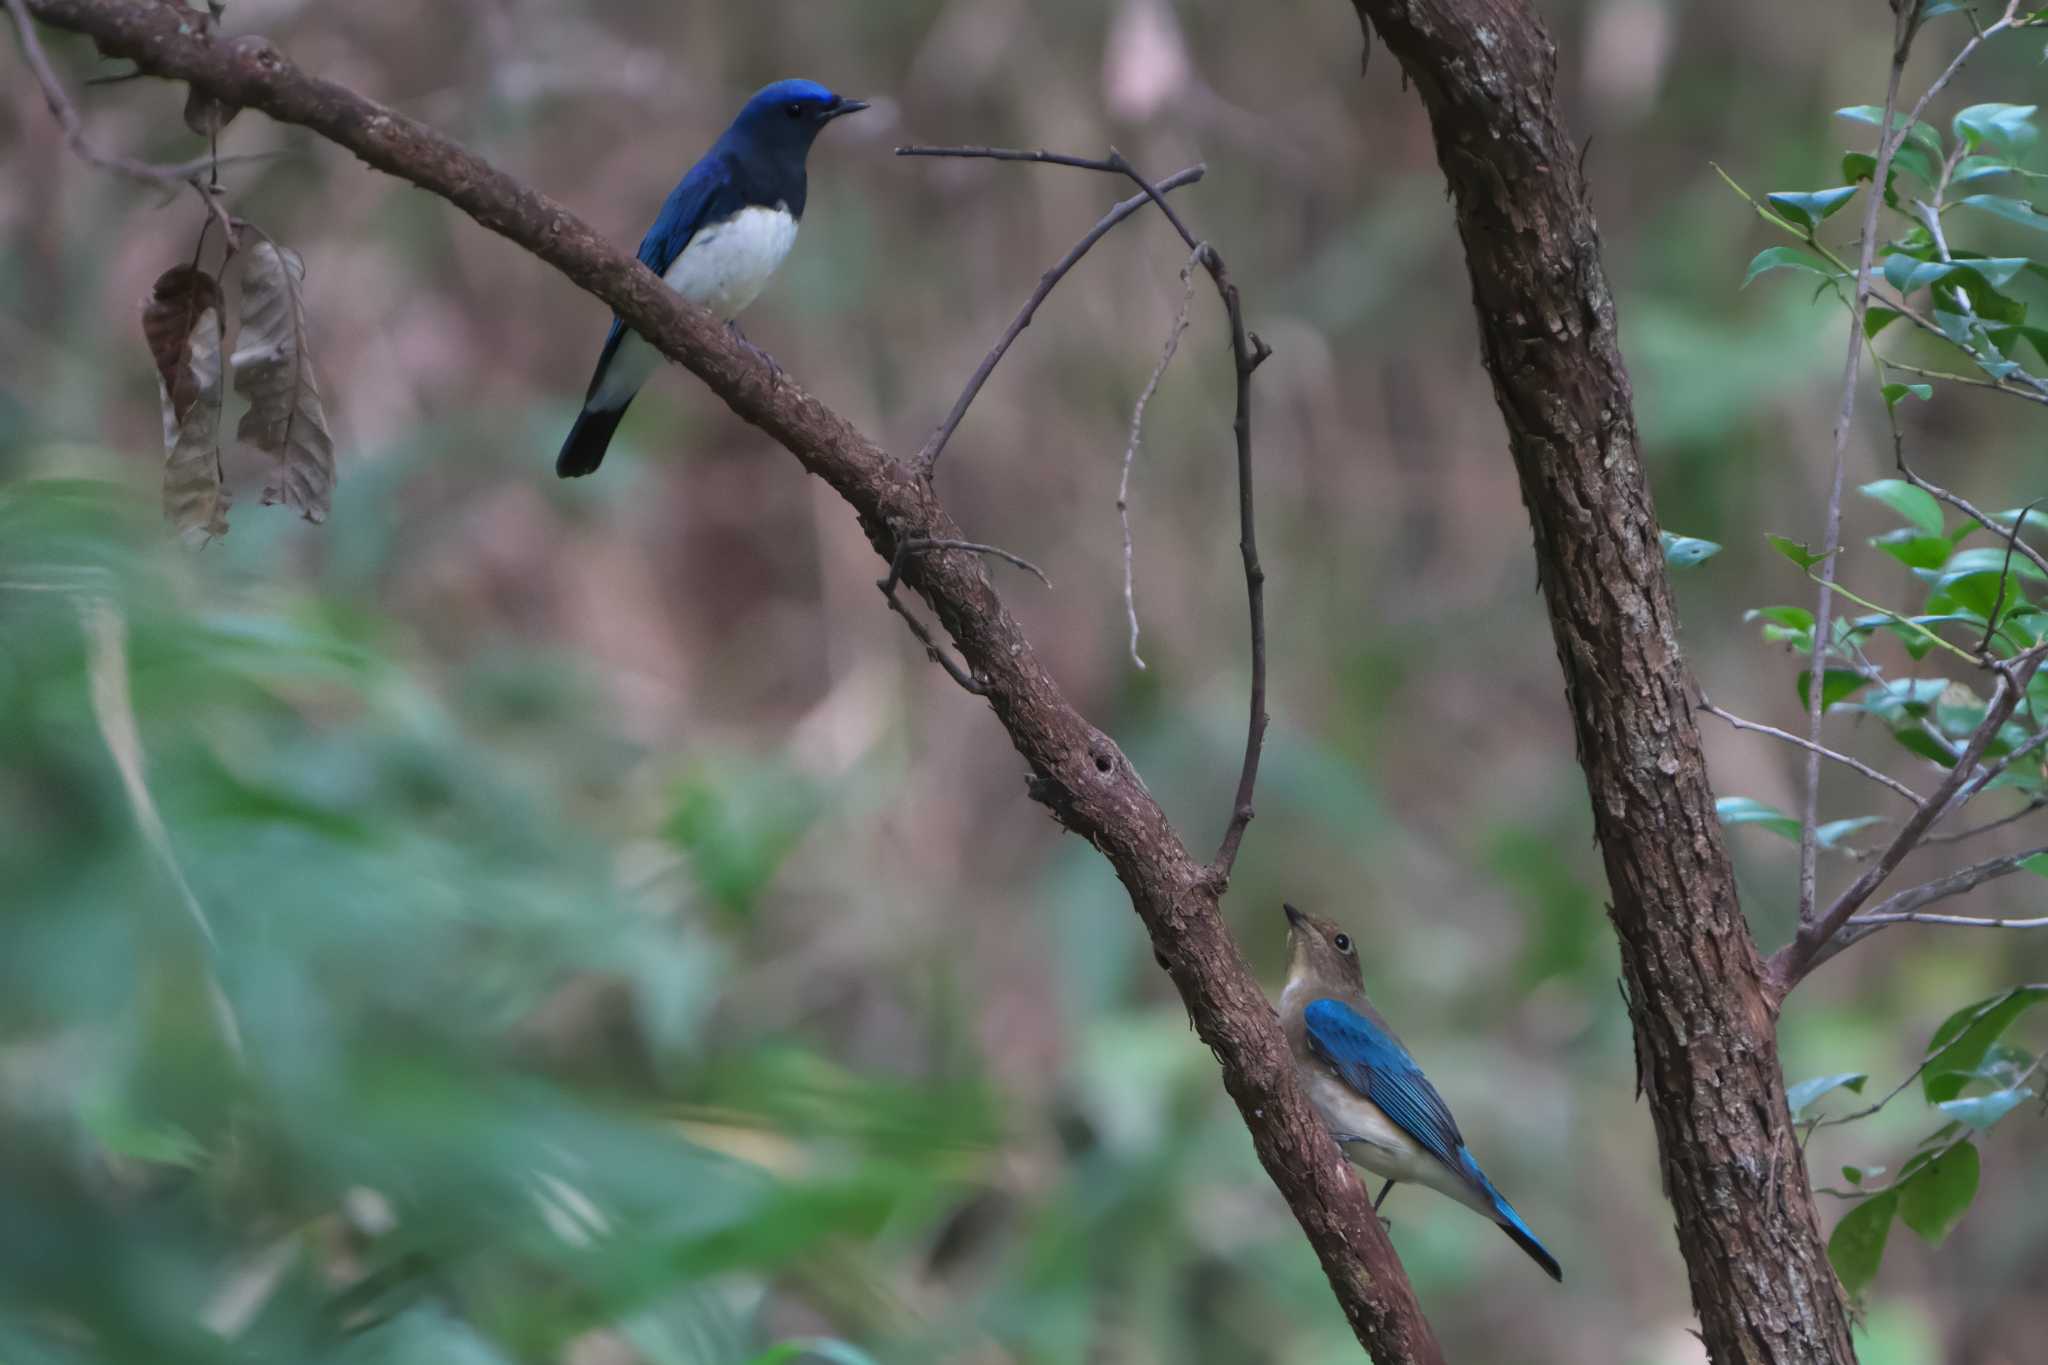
<point x="1372" y="1140"/>
<point x="725" y="268"/>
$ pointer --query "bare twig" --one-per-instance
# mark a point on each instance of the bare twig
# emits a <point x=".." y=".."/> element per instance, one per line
<point x="1968" y="1134"/>
<point x="908" y="547"/>
<point x="164" y="176"/>
<point x="1845" y="412"/>
<point x="1790" y="964"/>
<point x="1999" y="385"/>
<point x="1989" y="825"/>
<point x="1113" y="164"/>
<point x="1845" y="760"/>
<point x="1123" y="487"/>
<point x="928" y="458"/>
<point x="1248" y="352"/>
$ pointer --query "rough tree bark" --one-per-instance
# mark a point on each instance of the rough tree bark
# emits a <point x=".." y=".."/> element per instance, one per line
<point x="1076" y="771"/>
<point x="1705" y="1019"/>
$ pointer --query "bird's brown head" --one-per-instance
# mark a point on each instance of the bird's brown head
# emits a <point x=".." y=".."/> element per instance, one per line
<point x="1322" y="955"/>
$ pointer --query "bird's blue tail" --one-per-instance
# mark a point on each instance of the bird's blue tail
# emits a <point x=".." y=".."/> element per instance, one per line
<point x="1511" y="1222"/>
<point x="584" y="449"/>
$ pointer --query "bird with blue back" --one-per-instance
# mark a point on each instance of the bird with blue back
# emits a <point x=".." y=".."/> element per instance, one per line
<point x="720" y="235"/>
<point x="1370" y="1093"/>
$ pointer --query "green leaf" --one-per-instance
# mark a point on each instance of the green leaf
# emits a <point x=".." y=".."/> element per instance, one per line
<point x="1923" y="134"/>
<point x="1906" y="274"/>
<point x="1916" y="505"/>
<point x="1856" y="1175"/>
<point x="1966" y="1036"/>
<point x="1682" y="552"/>
<point x="1914" y="550"/>
<point x="1831" y="834"/>
<point x="1791" y="618"/>
<point x="2012" y="210"/>
<point x="1935" y="1197"/>
<point x="1744" y="810"/>
<point x="828" y="1349"/>
<point x="1917" y="741"/>
<point x="2007" y="125"/>
<point x="1800" y="1096"/>
<point x="1795" y="551"/>
<point x="1972" y="168"/>
<point x="1876" y="319"/>
<point x="1810" y="208"/>
<point x="1836" y="685"/>
<point x="1894" y="392"/>
<point x="1787" y="258"/>
<point x="1986" y="559"/>
<point x="1857" y="1247"/>
<point x="1984" y="1110"/>
<point x="1899" y="697"/>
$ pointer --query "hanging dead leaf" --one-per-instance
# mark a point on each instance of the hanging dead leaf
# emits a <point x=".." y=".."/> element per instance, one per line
<point x="274" y="371"/>
<point x="169" y="315"/>
<point x="181" y="322"/>
<point x="206" y="115"/>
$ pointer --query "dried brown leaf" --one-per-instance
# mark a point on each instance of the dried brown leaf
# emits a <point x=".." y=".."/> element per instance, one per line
<point x="274" y="371"/>
<point x="169" y="316"/>
<point x="206" y="115"/>
<point x="181" y="323"/>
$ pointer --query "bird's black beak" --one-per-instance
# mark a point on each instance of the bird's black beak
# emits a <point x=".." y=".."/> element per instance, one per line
<point x="843" y="108"/>
<point x="1294" y="916"/>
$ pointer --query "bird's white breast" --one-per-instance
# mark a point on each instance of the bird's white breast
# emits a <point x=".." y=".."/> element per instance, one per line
<point x="726" y="265"/>
<point x="1374" y="1141"/>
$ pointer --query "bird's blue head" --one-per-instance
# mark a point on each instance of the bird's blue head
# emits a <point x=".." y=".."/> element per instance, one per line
<point x="786" y="116"/>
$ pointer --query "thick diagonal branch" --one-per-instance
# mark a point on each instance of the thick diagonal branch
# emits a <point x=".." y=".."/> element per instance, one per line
<point x="1076" y="771"/>
<point x="1704" y="1027"/>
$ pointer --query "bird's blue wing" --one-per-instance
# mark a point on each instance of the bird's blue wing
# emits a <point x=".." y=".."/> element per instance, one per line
<point x="1369" y="1060"/>
<point x="707" y="194"/>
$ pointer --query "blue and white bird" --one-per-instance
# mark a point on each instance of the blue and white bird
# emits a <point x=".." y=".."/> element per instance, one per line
<point x="1368" y="1090"/>
<point x="721" y="234"/>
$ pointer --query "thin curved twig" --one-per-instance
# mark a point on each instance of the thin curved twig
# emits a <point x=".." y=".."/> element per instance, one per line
<point x="928" y="458"/>
<point x="1883" y="780"/>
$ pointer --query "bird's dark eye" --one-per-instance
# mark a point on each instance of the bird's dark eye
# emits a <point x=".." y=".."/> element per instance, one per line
<point x="793" y="110"/>
<point x="1343" y="942"/>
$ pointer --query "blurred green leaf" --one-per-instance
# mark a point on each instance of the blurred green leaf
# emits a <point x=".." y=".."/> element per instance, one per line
<point x="1877" y="318"/>
<point x="1799" y="1097"/>
<point x="738" y="822"/>
<point x="1922" y="134"/>
<point x="1795" y="551"/>
<point x="1744" y="810"/>
<point x="1857" y="1247"/>
<point x="2010" y="126"/>
<point x="1982" y="1111"/>
<point x="1894" y="392"/>
<point x="2019" y="211"/>
<point x="1934" y="1198"/>
<point x="1809" y="208"/>
<point x="1831" y="833"/>
<point x="1906" y="275"/>
<point x="1837" y="685"/>
<point x="827" y="1349"/>
<point x="1683" y="552"/>
<point x="1915" y="550"/>
<point x="1787" y="258"/>
<point x="1916" y="505"/>
<point x="1966" y="1037"/>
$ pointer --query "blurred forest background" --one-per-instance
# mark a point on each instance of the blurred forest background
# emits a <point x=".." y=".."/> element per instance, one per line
<point x="622" y="945"/>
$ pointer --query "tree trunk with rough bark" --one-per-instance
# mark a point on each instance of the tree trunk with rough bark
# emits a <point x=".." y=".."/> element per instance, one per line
<point x="1705" y="1024"/>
